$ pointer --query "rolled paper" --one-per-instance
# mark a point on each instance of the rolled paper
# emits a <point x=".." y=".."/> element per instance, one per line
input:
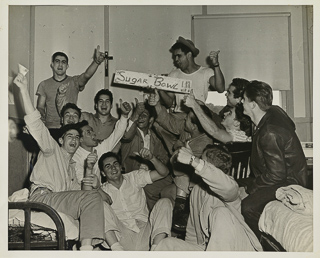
<point x="23" y="70"/>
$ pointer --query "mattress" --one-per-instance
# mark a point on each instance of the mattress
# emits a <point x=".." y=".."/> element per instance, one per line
<point x="294" y="231"/>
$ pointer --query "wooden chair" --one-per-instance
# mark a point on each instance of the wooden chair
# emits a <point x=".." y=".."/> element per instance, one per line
<point x="240" y="152"/>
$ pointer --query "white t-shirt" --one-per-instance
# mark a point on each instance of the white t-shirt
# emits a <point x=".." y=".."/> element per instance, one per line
<point x="200" y="84"/>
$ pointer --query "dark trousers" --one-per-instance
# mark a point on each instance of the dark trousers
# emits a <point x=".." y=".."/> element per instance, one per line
<point x="253" y="205"/>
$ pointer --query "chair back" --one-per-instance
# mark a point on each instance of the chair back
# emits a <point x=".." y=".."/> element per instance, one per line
<point x="240" y="152"/>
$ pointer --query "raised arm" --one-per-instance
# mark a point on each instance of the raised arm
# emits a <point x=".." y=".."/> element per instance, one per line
<point x="35" y="126"/>
<point x="120" y="128"/>
<point x="22" y="83"/>
<point x="165" y="119"/>
<point x="167" y="97"/>
<point x="132" y="127"/>
<point x="217" y="81"/>
<point x="160" y="171"/>
<point x="207" y="123"/>
<point x="220" y="183"/>
<point x="97" y="60"/>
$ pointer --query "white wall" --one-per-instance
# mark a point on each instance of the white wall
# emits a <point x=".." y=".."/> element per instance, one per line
<point x="75" y="30"/>
<point x="140" y="38"/>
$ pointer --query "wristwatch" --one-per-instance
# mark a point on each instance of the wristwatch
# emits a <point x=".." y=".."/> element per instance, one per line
<point x="191" y="160"/>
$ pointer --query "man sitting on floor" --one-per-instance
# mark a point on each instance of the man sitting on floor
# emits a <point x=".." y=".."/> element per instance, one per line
<point x="53" y="177"/>
<point x="215" y="222"/>
<point x="128" y="223"/>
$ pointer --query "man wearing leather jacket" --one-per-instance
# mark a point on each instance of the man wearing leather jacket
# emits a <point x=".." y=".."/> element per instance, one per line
<point x="277" y="158"/>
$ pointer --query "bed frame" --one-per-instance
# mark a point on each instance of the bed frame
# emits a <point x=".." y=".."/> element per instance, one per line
<point x="23" y="238"/>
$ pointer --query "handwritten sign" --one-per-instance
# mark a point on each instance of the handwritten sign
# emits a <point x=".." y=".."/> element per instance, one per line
<point x="153" y="81"/>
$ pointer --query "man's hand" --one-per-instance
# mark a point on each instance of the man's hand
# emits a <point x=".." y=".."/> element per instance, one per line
<point x="91" y="180"/>
<point x="178" y="144"/>
<point x="125" y="108"/>
<point x="62" y="89"/>
<point x="138" y="110"/>
<point x="214" y="55"/>
<point x="146" y="154"/>
<point x="184" y="155"/>
<point x="92" y="159"/>
<point x="154" y="98"/>
<point x="21" y="81"/>
<point x="189" y="100"/>
<point x="98" y="56"/>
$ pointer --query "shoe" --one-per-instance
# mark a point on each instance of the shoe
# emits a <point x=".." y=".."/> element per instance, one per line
<point x="180" y="215"/>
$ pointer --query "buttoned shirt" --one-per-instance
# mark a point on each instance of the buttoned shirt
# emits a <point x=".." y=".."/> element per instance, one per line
<point x="129" y="201"/>
<point x="106" y="145"/>
<point x="55" y="168"/>
<point x="146" y="139"/>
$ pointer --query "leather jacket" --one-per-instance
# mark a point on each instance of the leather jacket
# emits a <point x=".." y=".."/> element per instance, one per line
<point x="277" y="157"/>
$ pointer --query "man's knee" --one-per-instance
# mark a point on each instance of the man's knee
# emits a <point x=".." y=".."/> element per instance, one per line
<point x="220" y="213"/>
<point x="92" y="197"/>
<point x="164" y="202"/>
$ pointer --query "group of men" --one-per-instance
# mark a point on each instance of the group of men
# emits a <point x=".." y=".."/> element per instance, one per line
<point x="115" y="175"/>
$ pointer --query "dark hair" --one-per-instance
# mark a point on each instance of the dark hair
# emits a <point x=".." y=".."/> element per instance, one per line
<point x="218" y="155"/>
<point x="82" y="124"/>
<point x="64" y="129"/>
<point x="103" y="92"/>
<point x="261" y="93"/>
<point x="70" y="105"/>
<point x="59" y="54"/>
<point x="245" y="121"/>
<point x="105" y="156"/>
<point x="239" y="85"/>
<point x="181" y="46"/>
<point x="194" y="118"/>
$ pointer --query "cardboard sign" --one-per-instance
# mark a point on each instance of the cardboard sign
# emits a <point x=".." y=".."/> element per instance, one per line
<point x="153" y="81"/>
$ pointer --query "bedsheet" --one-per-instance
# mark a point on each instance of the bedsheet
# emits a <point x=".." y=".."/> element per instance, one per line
<point x="294" y="231"/>
<point x="16" y="217"/>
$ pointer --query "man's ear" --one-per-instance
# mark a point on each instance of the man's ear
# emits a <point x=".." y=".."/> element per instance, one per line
<point x="61" y="140"/>
<point x="81" y="139"/>
<point x="102" y="173"/>
<point x="189" y="55"/>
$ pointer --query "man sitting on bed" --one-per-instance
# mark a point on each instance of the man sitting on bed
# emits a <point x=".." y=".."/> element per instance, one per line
<point x="53" y="177"/>
<point x="215" y="222"/>
<point x="277" y="158"/>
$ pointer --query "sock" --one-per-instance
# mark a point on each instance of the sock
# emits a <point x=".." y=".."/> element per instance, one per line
<point x="116" y="247"/>
<point x="86" y="248"/>
<point x="153" y="247"/>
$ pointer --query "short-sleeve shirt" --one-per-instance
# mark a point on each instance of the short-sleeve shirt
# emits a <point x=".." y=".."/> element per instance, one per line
<point x="200" y="84"/>
<point x="102" y="130"/>
<point x="48" y="88"/>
